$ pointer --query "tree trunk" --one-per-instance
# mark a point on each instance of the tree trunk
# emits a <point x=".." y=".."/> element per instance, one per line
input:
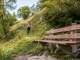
<point x="3" y="22"/>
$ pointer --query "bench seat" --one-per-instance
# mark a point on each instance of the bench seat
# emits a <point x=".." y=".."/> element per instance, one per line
<point x="59" y="42"/>
<point x="63" y="38"/>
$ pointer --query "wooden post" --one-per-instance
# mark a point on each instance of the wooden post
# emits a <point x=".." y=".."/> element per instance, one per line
<point x="74" y="47"/>
<point x="50" y="45"/>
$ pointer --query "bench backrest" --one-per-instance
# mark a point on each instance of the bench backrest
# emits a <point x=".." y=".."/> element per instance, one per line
<point x="72" y="35"/>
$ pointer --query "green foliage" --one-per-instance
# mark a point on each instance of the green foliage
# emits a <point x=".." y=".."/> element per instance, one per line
<point x="21" y="42"/>
<point x="61" y="13"/>
<point x="10" y="35"/>
<point x="23" y="12"/>
<point x="33" y="9"/>
<point x="17" y="46"/>
<point x="10" y="4"/>
<point x="36" y="49"/>
<point x="6" y="20"/>
<point x="6" y="55"/>
<point x="11" y="18"/>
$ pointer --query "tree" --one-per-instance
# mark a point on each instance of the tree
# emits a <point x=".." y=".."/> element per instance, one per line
<point x="23" y="12"/>
<point x="11" y="18"/>
<point x="60" y="13"/>
<point x="5" y="5"/>
<point x="33" y="9"/>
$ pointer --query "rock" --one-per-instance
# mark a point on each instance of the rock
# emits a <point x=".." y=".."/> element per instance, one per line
<point x="19" y="58"/>
<point x="29" y="57"/>
<point x="33" y="58"/>
<point x="43" y="57"/>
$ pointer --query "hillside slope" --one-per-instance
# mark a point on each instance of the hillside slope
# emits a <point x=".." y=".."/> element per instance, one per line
<point x="21" y="43"/>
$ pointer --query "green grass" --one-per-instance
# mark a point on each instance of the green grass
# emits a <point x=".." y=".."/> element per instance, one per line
<point x="17" y="47"/>
<point x="20" y="43"/>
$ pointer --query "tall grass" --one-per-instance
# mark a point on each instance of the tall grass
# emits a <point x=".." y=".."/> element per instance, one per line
<point x="16" y="47"/>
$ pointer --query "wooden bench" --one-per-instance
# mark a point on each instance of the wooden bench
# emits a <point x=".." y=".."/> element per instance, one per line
<point x="62" y="37"/>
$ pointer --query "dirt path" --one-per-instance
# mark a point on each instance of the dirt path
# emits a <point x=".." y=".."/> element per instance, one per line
<point x="29" y="57"/>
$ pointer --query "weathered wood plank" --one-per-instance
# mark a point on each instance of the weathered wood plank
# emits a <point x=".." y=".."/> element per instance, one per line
<point x="59" y="42"/>
<point x="68" y="36"/>
<point x="64" y="29"/>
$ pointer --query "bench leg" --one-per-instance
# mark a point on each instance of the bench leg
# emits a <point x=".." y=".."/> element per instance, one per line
<point x="74" y="48"/>
<point x="65" y="48"/>
<point x="57" y="48"/>
<point x="75" y="51"/>
<point x="50" y="46"/>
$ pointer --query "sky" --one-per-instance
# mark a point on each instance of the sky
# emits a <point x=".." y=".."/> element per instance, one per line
<point x="21" y="3"/>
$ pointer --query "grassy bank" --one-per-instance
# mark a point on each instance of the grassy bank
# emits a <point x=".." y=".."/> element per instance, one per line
<point x="16" y="47"/>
